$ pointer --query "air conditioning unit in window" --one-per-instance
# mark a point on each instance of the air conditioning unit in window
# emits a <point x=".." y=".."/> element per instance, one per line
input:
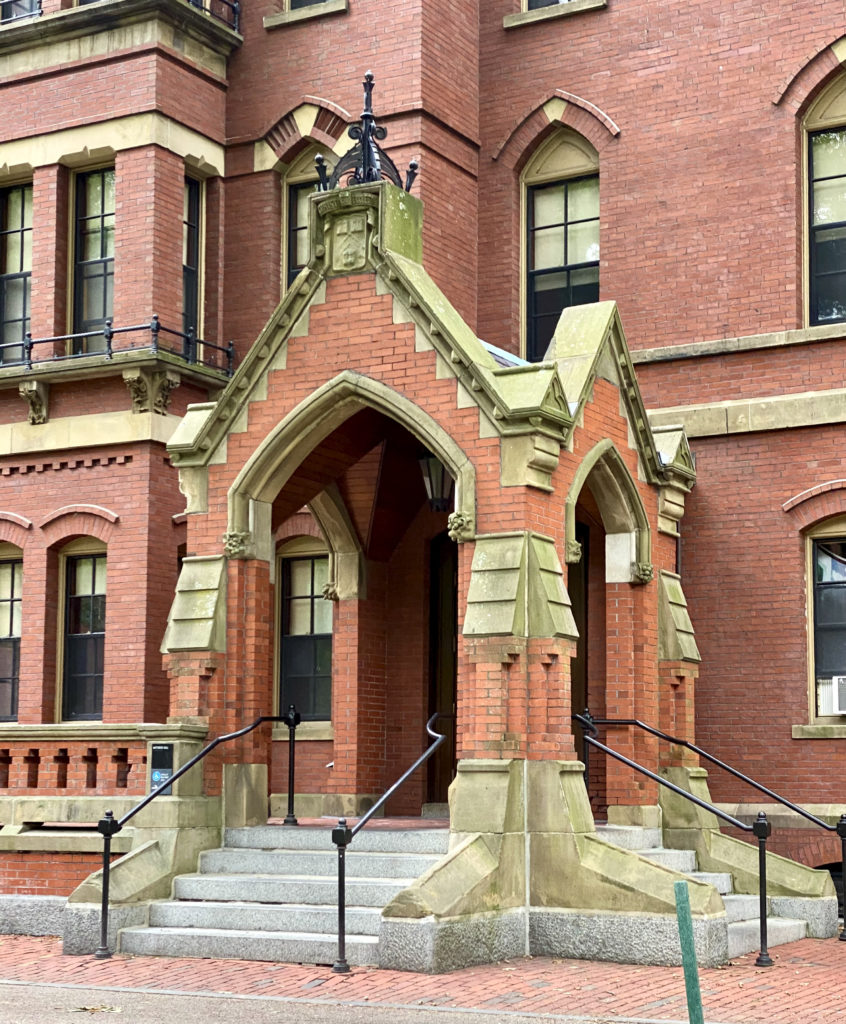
<point x="831" y="695"/>
<point x="838" y="695"/>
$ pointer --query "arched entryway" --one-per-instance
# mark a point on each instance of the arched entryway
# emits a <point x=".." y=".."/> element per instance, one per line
<point x="607" y="546"/>
<point x="391" y="578"/>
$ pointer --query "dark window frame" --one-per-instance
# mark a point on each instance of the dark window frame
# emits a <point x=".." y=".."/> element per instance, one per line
<point x="295" y="228"/>
<point x="303" y="689"/>
<point x="12" y="10"/>
<point x="815" y="275"/>
<point x="21" y="273"/>
<point x="537" y="339"/>
<point x="191" y="254"/>
<point x="11" y="641"/>
<point x="104" y="261"/>
<point x="82" y="692"/>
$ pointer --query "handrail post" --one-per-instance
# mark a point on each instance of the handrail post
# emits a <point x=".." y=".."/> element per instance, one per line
<point x="107" y="827"/>
<point x="28" y="349"/>
<point x="108" y="334"/>
<point x="292" y="719"/>
<point x="341" y="837"/>
<point x="841" y="831"/>
<point x="762" y="829"/>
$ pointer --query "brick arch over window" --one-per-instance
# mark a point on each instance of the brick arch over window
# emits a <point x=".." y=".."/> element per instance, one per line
<point x="70" y="522"/>
<point x="561" y="109"/>
<point x="813" y="505"/>
<point x="315" y="120"/>
<point x="285" y="448"/>
<point x="14" y="529"/>
<point x="619" y="501"/>
<point x="800" y="88"/>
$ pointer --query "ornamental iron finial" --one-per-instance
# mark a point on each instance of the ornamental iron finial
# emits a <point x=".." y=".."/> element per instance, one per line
<point x="365" y="161"/>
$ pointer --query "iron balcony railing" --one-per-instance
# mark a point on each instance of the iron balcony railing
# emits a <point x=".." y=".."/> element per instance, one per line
<point x="153" y="337"/>
<point x="761" y="828"/>
<point x="227" y="11"/>
<point x="839" y="828"/>
<point x="15" y="10"/>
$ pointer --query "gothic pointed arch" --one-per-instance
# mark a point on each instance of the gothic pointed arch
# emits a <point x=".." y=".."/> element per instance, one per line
<point x="314" y="120"/>
<point x="290" y="442"/>
<point x="561" y="109"/>
<point x="621" y="507"/>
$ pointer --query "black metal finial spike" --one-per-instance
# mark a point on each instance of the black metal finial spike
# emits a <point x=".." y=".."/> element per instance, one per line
<point x="322" y="174"/>
<point x="365" y="162"/>
<point x="368" y="94"/>
<point x="411" y="174"/>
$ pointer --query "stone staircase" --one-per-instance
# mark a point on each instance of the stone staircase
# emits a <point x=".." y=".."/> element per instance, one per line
<point x="271" y="893"/>
<point x="741" y="910"/>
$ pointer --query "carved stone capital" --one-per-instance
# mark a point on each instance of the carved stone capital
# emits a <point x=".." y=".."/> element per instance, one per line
<point x="460" y="527"/>
<point x="236" y="543"/>
<point x="150" y="391"/>
<point x="330" y="591"/>
<point x="573" y="552"/>
<point x="37" y="394"/>
<point x="165" y="383"/>
<point x="643" y="572"/>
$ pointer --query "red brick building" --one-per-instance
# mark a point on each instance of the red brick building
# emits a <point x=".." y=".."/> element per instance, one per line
<point x="216" y="386"/>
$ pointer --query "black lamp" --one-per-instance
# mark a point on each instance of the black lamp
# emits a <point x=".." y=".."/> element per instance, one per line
<point x="437" y="481"/>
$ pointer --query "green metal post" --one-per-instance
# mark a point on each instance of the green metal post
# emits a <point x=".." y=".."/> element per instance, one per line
<point x="691" y="973"/>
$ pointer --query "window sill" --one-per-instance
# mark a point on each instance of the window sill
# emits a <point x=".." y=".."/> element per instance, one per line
<point x="562" y="10"/>
<point x="306" y="731"/>
<point x="307" y="13"/>
<point x="828" y="730"/>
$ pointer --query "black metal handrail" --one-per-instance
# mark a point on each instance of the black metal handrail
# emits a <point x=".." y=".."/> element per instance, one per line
<point x="839" y="829"/>
<point x="761" y="828"/>
<point x="342" y="836"/>
<point x="192" y="349"/>
<point x="109" y="826"/>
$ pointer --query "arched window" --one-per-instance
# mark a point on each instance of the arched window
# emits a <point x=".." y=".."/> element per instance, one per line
<point x="561" y="236"/>
<point x="825" y="135"/>
<point x="299" y="184"/>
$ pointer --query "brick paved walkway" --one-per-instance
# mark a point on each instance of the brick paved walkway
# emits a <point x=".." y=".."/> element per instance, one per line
<point x="807" y="985"/>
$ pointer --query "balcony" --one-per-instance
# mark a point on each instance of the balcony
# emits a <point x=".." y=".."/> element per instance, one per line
<point x="97" y="346"/>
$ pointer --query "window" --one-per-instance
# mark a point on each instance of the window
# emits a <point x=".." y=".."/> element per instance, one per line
<point x="94" y="256"/>
<point x="11" y="578"/>
<point x="535" y="5"/>
<point x="299" y="183"/>
<point x="563" y="254"/>
<point x="10" y="10"/>
<point x="827" y="178"/>
<point x="295" y="5"/>
<point x="298" y="227"/>
<point x="561" y="235"/>
<point x="15" y="270"/>
<point x="85" y="634"/>
<point x="191" y="256"/>
<point x="829" y="569"/>
<point x="306" y="638"/>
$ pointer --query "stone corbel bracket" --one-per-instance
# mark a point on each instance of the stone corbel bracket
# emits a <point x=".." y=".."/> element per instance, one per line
<point x="37" y="396"/>
<point x="150" y="391"/>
